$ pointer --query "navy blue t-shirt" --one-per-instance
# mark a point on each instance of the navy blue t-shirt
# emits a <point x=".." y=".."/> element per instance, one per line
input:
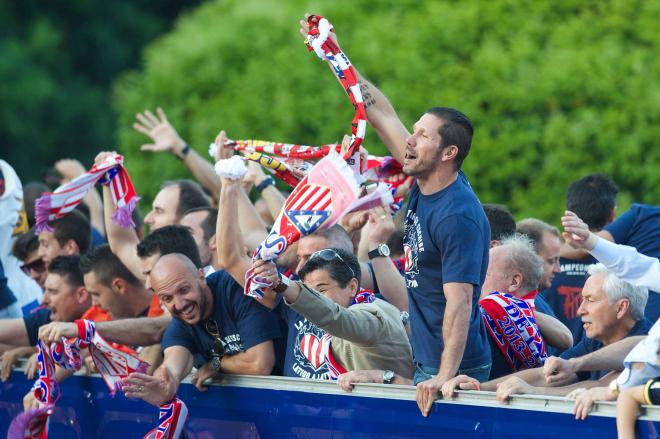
<point x="588" y="345"/>
<point x="303" y="357"/>
<point x="34" y="321"/>
<point x="242" y="323"/>
<point x="565" y="294"/>
<point x="446" y="239"/>
<point x="639" y="227"/>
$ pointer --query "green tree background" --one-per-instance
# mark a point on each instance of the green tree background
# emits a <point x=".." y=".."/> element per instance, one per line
<point x="556" y="90"/>
<point x="58" y="60"/>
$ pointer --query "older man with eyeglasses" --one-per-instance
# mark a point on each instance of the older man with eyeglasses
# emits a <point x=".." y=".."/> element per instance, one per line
<point x="362" y="332"/>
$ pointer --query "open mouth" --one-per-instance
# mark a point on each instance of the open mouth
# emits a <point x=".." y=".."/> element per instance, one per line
<point x="187" y="312"/>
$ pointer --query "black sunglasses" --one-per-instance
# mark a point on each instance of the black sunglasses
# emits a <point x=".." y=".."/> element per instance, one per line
<point x="328" y="254"/>
<point x="211" y="326"/>
<point x="37" y="265"/>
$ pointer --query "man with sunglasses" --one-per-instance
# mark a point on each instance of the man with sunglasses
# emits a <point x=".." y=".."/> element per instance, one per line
<point x="215" y="327"/>
<point x="362" y="332"/>
<point x="26" y="249"/>
<point x="446" y="240"/>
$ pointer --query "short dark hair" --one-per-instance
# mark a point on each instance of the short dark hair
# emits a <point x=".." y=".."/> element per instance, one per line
<point x="191" y="195"/>
<point x="69" y="268"/>
<point x="502" y="223"/>
<point x="592" y="198"/>
<point x="456" y="130"/>
<point x="209" y="223"/>
<point x="74" y="226"/>
<point x="106" y="266"/>
<point x="337" y="267"/>
<point x="25" y="244"/>
<point x="534" y="229"/>
<point x="337" y="237"/>
<point x="170" y="239"/>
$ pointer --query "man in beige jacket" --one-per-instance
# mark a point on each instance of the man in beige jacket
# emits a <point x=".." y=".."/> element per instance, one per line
<point x="363" y="332"/>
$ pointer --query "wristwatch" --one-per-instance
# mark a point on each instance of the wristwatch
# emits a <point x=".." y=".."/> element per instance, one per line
<point x="268" y="181"/>
<point x="184" y="152"/>
<point x="381" y="251"/>
<point x="284" y="283"/>
<point x="388" y="377"/>
<point x="216" y="360"/>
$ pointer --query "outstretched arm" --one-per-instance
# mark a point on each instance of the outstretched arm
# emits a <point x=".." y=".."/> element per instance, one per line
<point x="142" y="331"/>
<point x="380" y="112"/>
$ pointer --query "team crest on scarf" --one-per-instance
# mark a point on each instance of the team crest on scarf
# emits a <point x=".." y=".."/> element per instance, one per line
<point x="311" y="206"/>
<point x="511" y="324"/>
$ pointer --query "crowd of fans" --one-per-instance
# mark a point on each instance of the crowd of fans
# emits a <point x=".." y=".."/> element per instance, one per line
<point x="448" y="294"/>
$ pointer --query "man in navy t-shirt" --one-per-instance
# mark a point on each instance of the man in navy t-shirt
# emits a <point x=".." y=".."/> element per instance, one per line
<point x="446" y="241"/>
<point x="215" y="327"/>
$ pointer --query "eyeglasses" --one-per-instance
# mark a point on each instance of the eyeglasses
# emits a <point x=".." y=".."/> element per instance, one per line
<point x="328" y="254"/>
<point x="37" y="265"/>
<point x="211" y="326"/>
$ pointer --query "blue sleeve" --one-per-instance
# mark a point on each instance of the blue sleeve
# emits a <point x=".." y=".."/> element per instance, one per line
<point x="6" y="295"/>
<point x="458" y="238"/>
<point x="584" y="347"/>
<point x="32" y="323"/>
<point x="256" y="324"/>
<point x="177" y="334"/>
<point x="621" y="227"/>
<point x="543" y="306"/>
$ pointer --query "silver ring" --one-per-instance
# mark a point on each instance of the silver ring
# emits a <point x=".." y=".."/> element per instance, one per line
<point x="140" y="389"/>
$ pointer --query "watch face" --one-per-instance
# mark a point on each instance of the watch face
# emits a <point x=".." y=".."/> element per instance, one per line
<point x="388" y="377"/>
<point x="215" y="363"/>
<point x="384" y="250"/>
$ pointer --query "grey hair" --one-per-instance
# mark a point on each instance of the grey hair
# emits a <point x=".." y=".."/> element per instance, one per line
<point x="616" y="289"/>
<point x="522" y="257"/>
<point x="535" y="229"/>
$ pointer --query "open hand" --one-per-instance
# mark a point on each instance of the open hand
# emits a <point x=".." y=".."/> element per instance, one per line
<point x="160" y="130"/>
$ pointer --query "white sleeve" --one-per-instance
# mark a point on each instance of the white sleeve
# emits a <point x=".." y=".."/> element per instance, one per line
<point x="628" y="264"/>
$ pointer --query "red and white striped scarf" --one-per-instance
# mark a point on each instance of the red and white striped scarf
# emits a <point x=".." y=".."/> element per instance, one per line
<point x="113" y="365"/>
<point x="334" y="366"/>
<point x="53" y="205"/>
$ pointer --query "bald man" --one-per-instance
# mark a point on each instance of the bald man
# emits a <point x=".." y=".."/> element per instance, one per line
<point x="215" y="327"/>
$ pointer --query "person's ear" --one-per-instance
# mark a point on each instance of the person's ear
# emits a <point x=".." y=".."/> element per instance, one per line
<point x="212" y="244"/>
<point x="516" y="282"/>
<point x="622" y="308"/>
<point x="119" y="285"/>
<point x="82" y="295"/>
<point x="449" y="153"/>
<point x="353" y="286"/>
<point x="71" y="248"/>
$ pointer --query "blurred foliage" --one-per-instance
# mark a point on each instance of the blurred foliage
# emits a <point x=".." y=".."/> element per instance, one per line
<point x="556" y="90"/>
<point x="58" y="60"/>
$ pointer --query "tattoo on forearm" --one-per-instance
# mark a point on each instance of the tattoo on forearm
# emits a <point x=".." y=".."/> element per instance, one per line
<point x="367" y="97"/>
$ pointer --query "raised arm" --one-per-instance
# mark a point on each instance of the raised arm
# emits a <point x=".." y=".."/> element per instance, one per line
<point x="390" y="282"/>
<point x="380" y="112"/>
<point x="229" y="242"/>
<point x="624" y="261"/>
<point x="166" y="139"/>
